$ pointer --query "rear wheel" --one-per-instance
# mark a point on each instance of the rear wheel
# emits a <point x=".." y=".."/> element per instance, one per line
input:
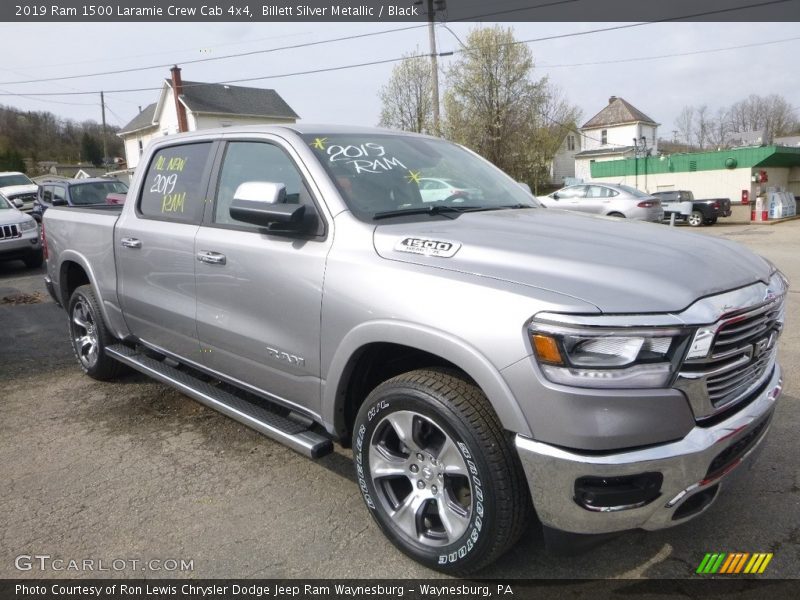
<point x="89" y="335"/>
<point x="695" y="219"/>
<point x="619" y="215"/>
<point x="438" y="473"/>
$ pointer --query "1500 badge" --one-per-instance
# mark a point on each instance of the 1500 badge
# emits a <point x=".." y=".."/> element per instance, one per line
<point x="441" y="248"/>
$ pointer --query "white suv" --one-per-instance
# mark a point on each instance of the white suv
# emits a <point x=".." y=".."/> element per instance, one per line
<point x="18" y="189"/>
<point x="19" y="235"/>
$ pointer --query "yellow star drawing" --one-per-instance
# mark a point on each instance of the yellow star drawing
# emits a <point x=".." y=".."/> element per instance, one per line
<point x="413" y="176"/>
<point x="319" y="143"/>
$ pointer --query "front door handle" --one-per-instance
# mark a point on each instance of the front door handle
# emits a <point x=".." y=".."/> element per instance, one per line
<point x="131" y="243"/>
<point x="212" y="258"/>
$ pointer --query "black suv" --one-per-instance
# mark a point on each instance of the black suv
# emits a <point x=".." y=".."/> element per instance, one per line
<point x="75" y="192"/>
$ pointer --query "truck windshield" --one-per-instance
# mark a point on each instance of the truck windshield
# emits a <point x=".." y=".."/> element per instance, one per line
<point x="14" y="179"/>
<point x="388" y="175"/>
<point x="95" y="192"/>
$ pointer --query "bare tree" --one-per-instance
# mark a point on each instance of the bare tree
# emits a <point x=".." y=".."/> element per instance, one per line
<point x="685" y="125"/>
<point x="552" y="119"/>
<point x="719" y="129"/>
<point x="772" y="114"/>
<point x="702" y="125"/>
<point x="406" y="98"/>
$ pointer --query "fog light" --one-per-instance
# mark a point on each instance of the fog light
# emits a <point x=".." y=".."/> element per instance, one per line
<point x="608" y="494"/>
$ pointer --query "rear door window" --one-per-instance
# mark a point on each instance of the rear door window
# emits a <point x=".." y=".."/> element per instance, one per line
<point x="175" y="183"/>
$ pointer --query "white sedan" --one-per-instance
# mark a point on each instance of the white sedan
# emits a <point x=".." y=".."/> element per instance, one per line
<point x="435" y="190"/>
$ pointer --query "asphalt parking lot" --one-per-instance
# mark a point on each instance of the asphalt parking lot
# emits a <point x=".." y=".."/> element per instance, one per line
<point x="136" y="471"/>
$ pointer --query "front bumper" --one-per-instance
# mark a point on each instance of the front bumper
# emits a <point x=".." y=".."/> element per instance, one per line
<point x="691" y="477"/>
<point x="19" y="247"/>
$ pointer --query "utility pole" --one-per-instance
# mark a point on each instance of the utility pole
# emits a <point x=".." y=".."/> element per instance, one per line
<point x="434" y="67"/>
<point x="103" y="109"/>
<point x="433" y="7"/>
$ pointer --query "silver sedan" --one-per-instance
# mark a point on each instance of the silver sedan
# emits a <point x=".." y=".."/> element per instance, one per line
<point x="609" y="199"/>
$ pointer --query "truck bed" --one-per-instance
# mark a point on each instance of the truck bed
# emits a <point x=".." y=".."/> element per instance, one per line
<point x="84" y="235"/>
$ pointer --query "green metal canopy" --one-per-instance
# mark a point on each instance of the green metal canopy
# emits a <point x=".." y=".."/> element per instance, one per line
<point x="735" y="158"/>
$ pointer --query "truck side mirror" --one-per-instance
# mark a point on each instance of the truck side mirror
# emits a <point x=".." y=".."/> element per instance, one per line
<point x="59" y="202"/>
<point x="555" y="195"/>
<point x="263" y="203"/>
<point x="18" y="203"/>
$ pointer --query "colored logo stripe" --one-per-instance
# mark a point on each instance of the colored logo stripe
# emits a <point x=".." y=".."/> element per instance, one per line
<point x="734" y="562"/>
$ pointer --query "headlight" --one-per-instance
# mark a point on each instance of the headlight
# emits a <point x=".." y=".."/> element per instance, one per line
<point x="28" y="225"/>
<point x="603" y="357"/>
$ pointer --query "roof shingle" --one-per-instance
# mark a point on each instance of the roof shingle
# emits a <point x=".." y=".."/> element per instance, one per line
<point x="141" y="121"/>
<point x="219" y="98"/>
<point x="618" y="112"/>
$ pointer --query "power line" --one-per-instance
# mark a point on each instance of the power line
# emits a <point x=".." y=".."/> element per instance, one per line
<point x="376" y="62"/>
<point x="161" y="52"/>
<point x="213" y="58"/>
<point x="280" y="48"/>
<point x="691" y="53"/>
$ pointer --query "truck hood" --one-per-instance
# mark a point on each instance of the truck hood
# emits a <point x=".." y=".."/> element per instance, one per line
<point x="620" y="266"/>
<point x="13" y="190"/>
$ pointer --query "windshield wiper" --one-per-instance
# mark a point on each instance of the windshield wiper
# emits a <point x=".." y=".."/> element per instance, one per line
<point x="514" y="206"/>
<point x="436" y="209"/>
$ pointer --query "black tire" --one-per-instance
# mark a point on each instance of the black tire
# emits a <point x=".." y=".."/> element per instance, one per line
<point x="465" y="501"/>
<point x="618" y="215"/>
<point x="34" y="260"/>
<point x="711" y="221"/>
<point x="696" y="219"/>
<point x="90" y="336"/>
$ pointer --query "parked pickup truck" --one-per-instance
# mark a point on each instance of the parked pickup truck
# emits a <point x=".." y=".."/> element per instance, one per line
<point x="482" y="356"/>
<point x="704" y="212"/>
<point x="77" y="192"/>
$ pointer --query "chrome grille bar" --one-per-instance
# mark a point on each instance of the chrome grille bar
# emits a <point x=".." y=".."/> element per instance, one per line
<point x="739" y="359"/>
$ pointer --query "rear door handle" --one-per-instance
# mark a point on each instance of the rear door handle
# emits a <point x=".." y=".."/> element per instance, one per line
<point x="131" y="243"/>
<point x="212" y="258"/>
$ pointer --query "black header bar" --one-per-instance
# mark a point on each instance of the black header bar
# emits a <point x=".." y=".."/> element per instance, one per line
<point x="397" y="10"/>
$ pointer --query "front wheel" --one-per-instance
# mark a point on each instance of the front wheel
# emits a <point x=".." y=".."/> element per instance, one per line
<point x="695" y="219"/>
<point x="438" y="473"/>
<point x="89" y="335"/>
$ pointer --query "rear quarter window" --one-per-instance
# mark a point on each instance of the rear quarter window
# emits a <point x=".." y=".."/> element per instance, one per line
<point x="174" y="185"/>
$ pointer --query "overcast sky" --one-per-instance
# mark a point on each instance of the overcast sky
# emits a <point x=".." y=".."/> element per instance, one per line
<point x="660" y="87"/>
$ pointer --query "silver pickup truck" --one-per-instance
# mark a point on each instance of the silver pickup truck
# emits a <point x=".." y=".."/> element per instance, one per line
<point x="484" y="357"/>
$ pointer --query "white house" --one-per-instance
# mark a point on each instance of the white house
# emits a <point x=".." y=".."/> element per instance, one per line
<point x="618" y="131"/>
<point x="562" y="167"/>
<point x="190" y="105"/>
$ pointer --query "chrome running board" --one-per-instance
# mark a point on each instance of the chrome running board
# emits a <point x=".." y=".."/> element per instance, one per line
<point x="260" y="417"/>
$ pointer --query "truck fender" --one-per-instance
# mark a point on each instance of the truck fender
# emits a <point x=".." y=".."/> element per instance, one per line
<point x="117" y="326"/>
<point x="437" y="342"/>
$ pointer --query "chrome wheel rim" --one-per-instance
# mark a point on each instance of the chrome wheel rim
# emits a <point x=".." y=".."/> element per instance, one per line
<point x="420" y="478"/>
<point x="84" y="334"/>
<point x="695" y="219"/>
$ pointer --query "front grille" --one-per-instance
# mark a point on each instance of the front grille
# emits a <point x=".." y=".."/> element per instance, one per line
<point x="741" y="330"/>
<point x="740" y="358"/>
<point x="24" y="197"/>
<point x="9" y="231"/>
<point x="727" y="386"/>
